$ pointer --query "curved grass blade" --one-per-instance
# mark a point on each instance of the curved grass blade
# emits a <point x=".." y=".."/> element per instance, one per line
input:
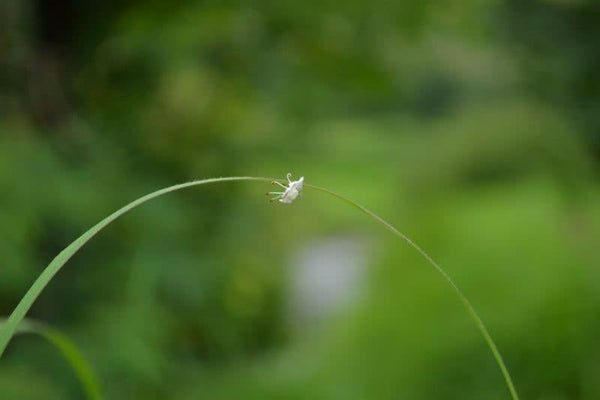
<point x="474" y="316"/>
<point x="8" y="330"/>
<point x="82" y="369"/>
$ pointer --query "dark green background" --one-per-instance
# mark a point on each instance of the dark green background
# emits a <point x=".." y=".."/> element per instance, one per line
<point x="472" y="125"/>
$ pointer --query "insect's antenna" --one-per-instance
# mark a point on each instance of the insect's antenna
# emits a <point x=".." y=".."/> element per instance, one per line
<point x="289" y="177"/>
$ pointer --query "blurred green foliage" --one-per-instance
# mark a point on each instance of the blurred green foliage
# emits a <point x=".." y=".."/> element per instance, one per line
<point x="473" y="126"/>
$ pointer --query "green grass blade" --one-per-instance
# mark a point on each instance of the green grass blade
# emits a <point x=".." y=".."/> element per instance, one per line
<point x="8" y="330"/>
<point x="478" y="321"/>
<point x="82" y="369"/>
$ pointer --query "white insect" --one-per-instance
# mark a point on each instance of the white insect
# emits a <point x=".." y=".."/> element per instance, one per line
<point x="291" y="192"/>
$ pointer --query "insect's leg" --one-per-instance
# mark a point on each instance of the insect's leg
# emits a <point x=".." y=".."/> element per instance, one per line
<point x="277" y="195"/>
<point x="280" y="184"/>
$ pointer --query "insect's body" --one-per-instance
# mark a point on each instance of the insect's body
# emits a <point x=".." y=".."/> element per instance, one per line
<point x="292" y="190"/>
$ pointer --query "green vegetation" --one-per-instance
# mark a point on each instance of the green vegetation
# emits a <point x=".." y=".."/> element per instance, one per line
<point x="472" y="126"/>
<point x="70" y="353"/>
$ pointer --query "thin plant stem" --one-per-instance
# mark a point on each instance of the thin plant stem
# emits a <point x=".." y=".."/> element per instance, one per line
<point x="478" y="321"/>
<point x="8" y="330"/>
